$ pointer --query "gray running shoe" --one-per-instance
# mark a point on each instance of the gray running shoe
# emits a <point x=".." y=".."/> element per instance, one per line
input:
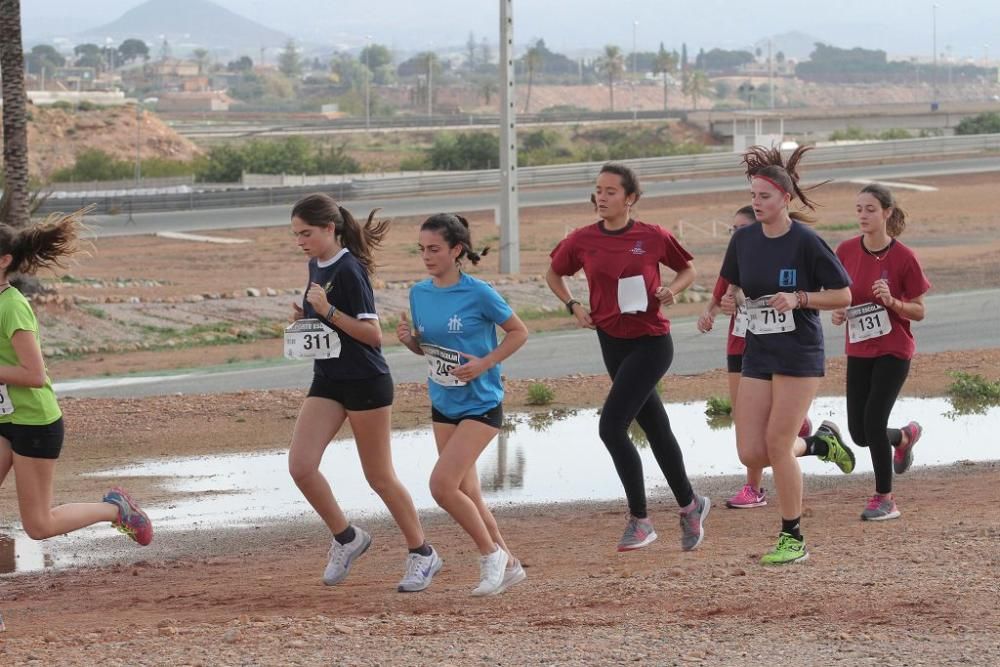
<point x="342" y="556"/>
<point x="880" y="508"/>
<point x="420" y="570"/>
<point x="638" y="533"/>
<point x="693" y="523"/>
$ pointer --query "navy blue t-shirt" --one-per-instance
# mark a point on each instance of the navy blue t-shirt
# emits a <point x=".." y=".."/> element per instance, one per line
<point x="348" y="288"/>
<point x="796" y="260"/>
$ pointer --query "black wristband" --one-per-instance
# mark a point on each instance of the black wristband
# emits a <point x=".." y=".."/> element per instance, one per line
<point x="330" y="313"/>
<point x="570" y="304"/>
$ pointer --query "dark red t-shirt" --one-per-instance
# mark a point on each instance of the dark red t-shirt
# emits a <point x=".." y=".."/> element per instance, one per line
<point x="607" y="256"/>
<point x="906" y="281"/>
<point x="734" y="344"/>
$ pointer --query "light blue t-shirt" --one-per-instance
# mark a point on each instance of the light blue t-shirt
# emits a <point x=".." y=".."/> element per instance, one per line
<point x="460" y="318"/>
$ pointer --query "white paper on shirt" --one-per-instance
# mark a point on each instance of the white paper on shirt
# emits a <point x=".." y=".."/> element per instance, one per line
<point x="632" y="295"/>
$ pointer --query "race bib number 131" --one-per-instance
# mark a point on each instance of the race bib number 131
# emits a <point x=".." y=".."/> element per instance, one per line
<point x="867" y="321"/>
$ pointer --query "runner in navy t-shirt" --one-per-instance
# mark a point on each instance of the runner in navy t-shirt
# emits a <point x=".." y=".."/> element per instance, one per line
<point x="787" y="273"/>
<point x="455" y="317"/>
<point x="887" y="288"/>
<point x="752" y="494"/>
<point x="621" y="257"/>
<point x="338" y="327"/>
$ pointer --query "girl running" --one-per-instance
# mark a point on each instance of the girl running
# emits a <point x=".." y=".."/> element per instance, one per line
<point x="621" y="257"/>
<point x="455" y="317"/>
<point x="31" y="424"/>
<point x="752" y="494"/>
<point x="887" y="292"/>
<point x="787" y="273"/>
<point x="338" y="327"/>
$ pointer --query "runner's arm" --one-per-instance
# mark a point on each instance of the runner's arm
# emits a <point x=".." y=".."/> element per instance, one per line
<point x="30" y="368"/>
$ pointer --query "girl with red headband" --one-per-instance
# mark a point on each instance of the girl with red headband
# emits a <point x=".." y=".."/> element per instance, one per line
<point x="887" y="288"/>
<point x="787" y="274"/>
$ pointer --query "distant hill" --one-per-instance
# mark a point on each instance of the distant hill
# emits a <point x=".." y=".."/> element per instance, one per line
<point x="187" y="24"/>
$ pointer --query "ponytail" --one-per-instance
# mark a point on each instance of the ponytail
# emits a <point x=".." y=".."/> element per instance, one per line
<point x="454" y="229"/>
<point x="896" y="222"/>
<point x="321" y="210"/>
<point x="42" y="245"/>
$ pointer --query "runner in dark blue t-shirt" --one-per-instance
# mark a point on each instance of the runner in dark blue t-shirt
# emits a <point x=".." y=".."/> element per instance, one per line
<point x="787" y="274"/>
<point x="337" y="326"/>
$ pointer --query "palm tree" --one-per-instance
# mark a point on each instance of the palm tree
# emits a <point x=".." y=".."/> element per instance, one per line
<point x="664" y="64"/>
<point x="532" y="61"/>
<point x="201" y="57"/>
<point x="14" y="207"/>
<point x="695" y="85"/>
<point x="612" y="64"/>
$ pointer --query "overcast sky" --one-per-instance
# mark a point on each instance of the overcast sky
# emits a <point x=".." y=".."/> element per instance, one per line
<point x="903" y="28"/>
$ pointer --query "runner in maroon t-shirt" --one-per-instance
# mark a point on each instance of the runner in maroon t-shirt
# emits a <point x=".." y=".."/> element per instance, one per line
<point x="621" y="257"/>
<point x="752" y="494"/>
<point x="887" y="288"/>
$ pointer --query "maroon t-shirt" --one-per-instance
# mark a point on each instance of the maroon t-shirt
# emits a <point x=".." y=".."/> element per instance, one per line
<point x="734" y="344"/>
<point x="606" y="257"/>
<point x="907" y="281"/>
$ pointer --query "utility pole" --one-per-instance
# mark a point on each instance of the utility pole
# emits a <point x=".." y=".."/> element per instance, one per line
<point x="770" y="72"/>
<point x="368" y="74"/>
<point x="635" y="71"/>
<point x="934" y="43"/>
<point x="430" y="84"/>
<point x="510" y="242"/>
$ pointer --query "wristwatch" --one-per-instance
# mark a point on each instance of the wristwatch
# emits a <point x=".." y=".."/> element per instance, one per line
<point x="570" y="304"/>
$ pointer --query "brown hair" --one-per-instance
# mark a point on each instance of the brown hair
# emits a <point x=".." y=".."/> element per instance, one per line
<point x="322" y="210"/>
<point x="896" y="222"/>
<point x="768" y="163"/>
<point x="630" y="181"/>
<point x="454" y="229"/>
<point x="748" y="213"/>
<point x="41" y="245"/>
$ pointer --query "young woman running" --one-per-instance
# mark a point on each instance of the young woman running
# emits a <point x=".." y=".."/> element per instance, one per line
<point x="31" y="424"/>
<point x="455" y="317"/>
<point x="752" y="494"/>
<point x="787" y="273"/>
<point x="621" y="258"/>
<point x="887" y="292"/>
<point x="338" y="327"/>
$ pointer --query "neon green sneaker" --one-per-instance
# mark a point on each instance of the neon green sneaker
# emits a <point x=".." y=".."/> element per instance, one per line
<point x="837" y="452"/>
<point x="788" y="550"/>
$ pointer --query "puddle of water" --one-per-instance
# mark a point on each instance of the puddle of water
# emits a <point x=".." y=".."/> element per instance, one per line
<point x="537" y="459"/>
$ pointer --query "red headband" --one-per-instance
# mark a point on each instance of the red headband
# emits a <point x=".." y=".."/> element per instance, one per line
<point x="772" y="182"/>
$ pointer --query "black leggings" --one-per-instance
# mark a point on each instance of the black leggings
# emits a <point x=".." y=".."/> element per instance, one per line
<point x="635" y="366"/>
<point x="872" y="387"/>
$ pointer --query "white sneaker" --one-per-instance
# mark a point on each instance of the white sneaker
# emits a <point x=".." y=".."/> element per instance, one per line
<point x="514" y="574"/>
<point x="491" y="571"/>
<point x="343" y="555"/>
<point x="420" y="570"/>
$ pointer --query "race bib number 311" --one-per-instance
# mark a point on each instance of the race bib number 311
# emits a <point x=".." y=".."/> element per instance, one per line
<point x="311" y="339"/>
<point x="867" y="321"/>
<point x="765" y="319"/>
<point x="441" y="361"/>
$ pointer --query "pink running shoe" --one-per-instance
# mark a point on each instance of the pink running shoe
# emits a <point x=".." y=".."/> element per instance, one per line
<point x="902" y="458"/>
<point x="880" y="508"/>
<point x="131" y="520"/>
<point x="806" y="429"/>
<point x="747" y="498"/>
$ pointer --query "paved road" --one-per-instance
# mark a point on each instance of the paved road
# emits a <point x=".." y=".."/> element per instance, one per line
<point x="958" y="321"/>
<point x="268" y="216"/>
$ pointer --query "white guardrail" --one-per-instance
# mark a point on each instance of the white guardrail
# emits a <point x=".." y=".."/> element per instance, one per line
<point x="368" y="186"/>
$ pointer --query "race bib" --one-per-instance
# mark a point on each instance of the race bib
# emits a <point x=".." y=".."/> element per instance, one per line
<point x="6" y="407"/>
<point x="632" y="295"/>
<point x="440" y="363"/>
<point x="311" y="339"/>
<point x="740" y="323"/>
<point x="867" y="321"/>
<point x="763" y="319"/>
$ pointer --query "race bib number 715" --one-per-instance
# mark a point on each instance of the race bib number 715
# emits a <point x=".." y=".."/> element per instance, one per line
<point x="765" y="319"/>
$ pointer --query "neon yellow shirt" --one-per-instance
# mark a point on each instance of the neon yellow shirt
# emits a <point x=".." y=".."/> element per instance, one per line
<point x="32" y="406"/>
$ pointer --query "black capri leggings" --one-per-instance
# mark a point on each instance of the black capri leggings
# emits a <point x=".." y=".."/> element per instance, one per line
<point x="872" y="387"/>
<point x="635" y="366"/>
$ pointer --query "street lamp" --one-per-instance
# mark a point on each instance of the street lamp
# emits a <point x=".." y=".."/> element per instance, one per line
<point x="368" y="73"/>
<point x="934" y="43"/>
<point x="139" y="111"/>
<point x="635" y="112"/>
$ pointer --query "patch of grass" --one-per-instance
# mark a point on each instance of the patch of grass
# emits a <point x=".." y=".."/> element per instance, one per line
<point x="972" y="394"/>
<point x="718" y="406"/>
<point x="94" y="311"/>
<point x="540" y="393"/>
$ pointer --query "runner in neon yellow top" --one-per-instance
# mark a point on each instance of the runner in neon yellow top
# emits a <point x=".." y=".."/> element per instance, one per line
<point x="31" y="424"/>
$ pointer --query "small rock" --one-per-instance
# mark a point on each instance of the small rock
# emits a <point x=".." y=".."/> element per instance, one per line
<point x="232" y="636"/>
<point x="253" y="291"/>
<point x="270" y="291"/>
<point x="167" y="631"/>
<point x="343" y="629"/>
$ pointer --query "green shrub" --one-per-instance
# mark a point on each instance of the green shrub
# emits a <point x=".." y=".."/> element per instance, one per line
<point x="466" y="151"/>
<point x="969" y="387"/>
<point x="717" y="406"/>
<point x="540" y="393"/>
<point x="95" y="165"/>
<point x="984" y="123"/>
<point x="294" y="155"/>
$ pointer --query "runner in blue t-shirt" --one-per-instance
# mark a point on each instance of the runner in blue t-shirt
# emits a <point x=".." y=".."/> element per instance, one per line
<point x="455" y="317"/>
<point x="337" y="325"/>
<point x="787" y="273"/>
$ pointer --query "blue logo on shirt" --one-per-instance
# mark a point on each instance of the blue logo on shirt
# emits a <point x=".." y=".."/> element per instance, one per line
<point x="786" y="278"/>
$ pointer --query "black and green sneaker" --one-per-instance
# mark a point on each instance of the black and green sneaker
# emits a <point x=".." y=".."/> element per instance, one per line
<point x="837" y="451"/>
<point x="788" y="550"/>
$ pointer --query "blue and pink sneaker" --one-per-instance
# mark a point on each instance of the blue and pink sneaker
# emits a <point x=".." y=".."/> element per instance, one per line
<point x="131" y="519"/>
